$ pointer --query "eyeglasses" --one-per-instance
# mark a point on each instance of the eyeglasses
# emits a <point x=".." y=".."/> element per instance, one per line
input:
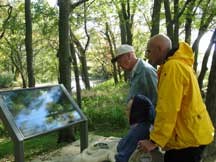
<point x="147" y="53"/>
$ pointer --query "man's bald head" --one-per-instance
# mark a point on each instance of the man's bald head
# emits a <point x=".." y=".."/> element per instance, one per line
<point x="157" y="48"/>
<point x="161" y="40"/>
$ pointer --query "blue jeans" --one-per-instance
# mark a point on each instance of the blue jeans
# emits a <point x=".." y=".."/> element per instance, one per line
<point x="128" y="144"/>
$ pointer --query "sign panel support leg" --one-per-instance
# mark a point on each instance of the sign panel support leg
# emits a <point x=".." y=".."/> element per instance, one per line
<point x="83" y="135"/>
<point x="19" y="151"/>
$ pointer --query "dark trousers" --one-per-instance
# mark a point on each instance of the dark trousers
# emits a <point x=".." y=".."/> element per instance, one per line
<point x="191" y="154"/>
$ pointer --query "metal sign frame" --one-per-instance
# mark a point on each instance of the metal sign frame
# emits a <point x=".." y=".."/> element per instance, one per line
<point x="17" y="135"/>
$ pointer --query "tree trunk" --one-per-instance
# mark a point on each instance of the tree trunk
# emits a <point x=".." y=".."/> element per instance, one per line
<point x="76" y="73"/>
<point x="115" y="76"/>
<point x="118" y="70"/>
<point x="176" y="24"/>
<point x="211" y="106"/>
<point x="122" y="28"/>
<point x="172" y="24"/>
<point x="82" y="58"/>
<point x="28" y="43"/>
<point x="64" y="46"/>
<point x="17" y="62"/>
<point x="188" y="25"/>
<point x="65" y="135"/>
<point x="155" y="29"/>
<point x="188" y="21"/>
<point x="205" y="61"/>
<point x="84" y="70"/>
<point x="9" y="11"/>
<point x="207" y="17"/>
<point x="126" y="23"/>
<point x="85" y="67"/>
<point x="169" y="21"/>
<point x="211" y="95"/>
<point x="129" y="22"/>
<point x="195" y="48"/>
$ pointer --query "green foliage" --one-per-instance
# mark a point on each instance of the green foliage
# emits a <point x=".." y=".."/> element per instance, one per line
<point x="43" y="144"/>
<point x="45" y="37"/>
<point x="3" y="132"/>
<point x="104" y="106"/>
<point x="111" y="117"/>
<point x="6" y="80"/>
<point x="6" y="148"/>
<point x="45" y="42"/>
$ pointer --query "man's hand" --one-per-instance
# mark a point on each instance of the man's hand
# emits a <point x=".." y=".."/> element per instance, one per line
<point x="146" y="145"/>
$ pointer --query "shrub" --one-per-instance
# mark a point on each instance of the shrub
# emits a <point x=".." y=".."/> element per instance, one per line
<point x="6" y="80"/>
<point x="104" y="106"/>
<point x="3" y="132"/>
<point x="107" y="118"/>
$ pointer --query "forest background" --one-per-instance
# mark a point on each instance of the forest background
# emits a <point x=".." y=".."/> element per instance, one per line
<point x="50" y="43"/>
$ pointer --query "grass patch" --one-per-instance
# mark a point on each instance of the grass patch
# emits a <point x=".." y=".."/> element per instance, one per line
<point x="107" y="132"/>
<point x="33" y="147"/>
<point x="6" y="147"/>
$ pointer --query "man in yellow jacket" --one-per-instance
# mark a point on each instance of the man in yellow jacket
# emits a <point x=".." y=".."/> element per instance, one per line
<point x="182" y="125"/>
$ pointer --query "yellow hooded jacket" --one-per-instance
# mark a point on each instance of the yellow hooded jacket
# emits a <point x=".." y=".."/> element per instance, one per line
<point x="181" y="117"/>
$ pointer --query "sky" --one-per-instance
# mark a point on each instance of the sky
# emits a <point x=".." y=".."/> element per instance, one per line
<point x="52" y="2"/>
<point x="203" y="45"/>
<point x="205" y="40"/>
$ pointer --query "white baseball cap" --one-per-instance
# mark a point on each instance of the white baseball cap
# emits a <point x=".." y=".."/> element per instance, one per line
<point x="123" y="49"/>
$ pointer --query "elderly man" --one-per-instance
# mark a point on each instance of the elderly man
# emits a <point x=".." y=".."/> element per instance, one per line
<point x="182" y="125"/>
<point x="143" y="76"/>
<point x="143" y="81"/>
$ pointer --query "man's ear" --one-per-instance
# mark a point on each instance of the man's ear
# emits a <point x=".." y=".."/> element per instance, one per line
<point x="160" y="48"/>
<point x="129" y="105"/>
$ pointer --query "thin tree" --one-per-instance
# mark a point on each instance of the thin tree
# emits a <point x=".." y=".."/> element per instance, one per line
<point x="113" y="40"/>
<point x="82" y="58"/>
<point x="173" y="21"/>
<point x="211" y="103"/>
<point x="205" y="61"/>
<point x="108" y="37"/>
<point x="65" y="135"/>
<point x="155" y="28"/>
<point x="211" y="95"/>
<point x="28" y="43"/>
<point x="83" y="49"/>
<point x="9" y="11"/>
<point x="65" y="8"/>
<point x="208" y="14"/>
<point x="189" y="16"/>
<point x="126" y="17"/>
<point x="76" y="72"/>
<point x="16" y="57"/>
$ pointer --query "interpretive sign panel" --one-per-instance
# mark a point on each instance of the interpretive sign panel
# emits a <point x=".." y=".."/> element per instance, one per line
<point x="32" y="112"/>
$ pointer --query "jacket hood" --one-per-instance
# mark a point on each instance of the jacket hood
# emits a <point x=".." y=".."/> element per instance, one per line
<point x="184" y="54"/>
<point x="142" y="110"/>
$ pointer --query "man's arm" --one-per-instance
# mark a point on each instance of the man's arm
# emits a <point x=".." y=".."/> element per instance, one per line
<point x="170" y="94"/>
